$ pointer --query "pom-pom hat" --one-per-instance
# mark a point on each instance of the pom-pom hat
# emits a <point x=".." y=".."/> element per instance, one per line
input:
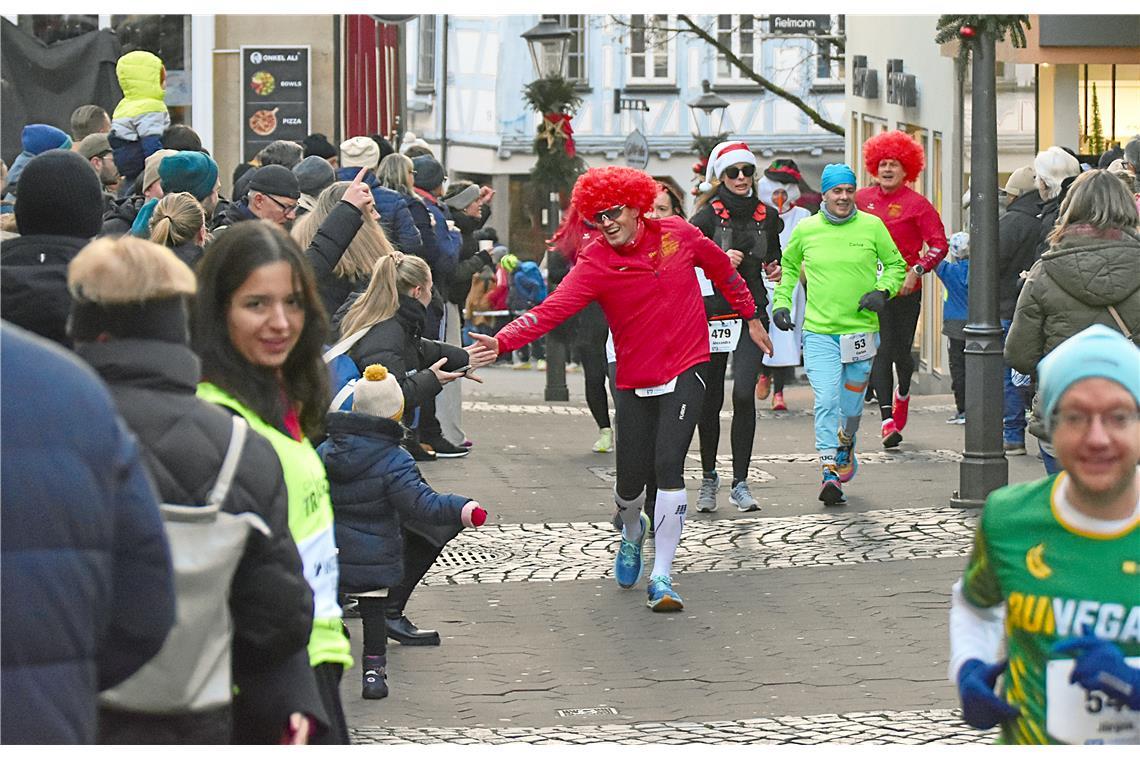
<point x="377" y="393"/>
<point x="723" y="156"/>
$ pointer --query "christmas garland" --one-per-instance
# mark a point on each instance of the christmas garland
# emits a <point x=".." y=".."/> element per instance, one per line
<point x="966" y="29"/>
<point x="557" y="164"/>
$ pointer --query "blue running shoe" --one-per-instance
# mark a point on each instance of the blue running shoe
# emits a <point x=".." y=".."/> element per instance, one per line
<point x="627" y="563"/>
<point x="846" y="463"/>
<point x="830" y="491"/>
<point x="662" y="597"/>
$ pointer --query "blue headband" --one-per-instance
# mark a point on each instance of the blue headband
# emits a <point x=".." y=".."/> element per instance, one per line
<point x="836" y="174"/>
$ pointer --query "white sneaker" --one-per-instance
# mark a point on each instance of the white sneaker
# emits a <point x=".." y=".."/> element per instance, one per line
<point x="706" y="499"/>
<point x="741" y="498"/>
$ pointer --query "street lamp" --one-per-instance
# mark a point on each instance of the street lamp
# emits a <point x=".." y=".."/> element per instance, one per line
<point x="549" y="45"/>
<point x="710" y="104"/>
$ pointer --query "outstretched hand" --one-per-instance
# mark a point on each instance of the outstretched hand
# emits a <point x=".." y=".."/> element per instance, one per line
<point x="443" y="375"/>
<point x="487" y="341"/>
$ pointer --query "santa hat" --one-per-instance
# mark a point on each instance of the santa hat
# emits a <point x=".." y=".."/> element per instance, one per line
<point x="377" y="393"/>
<point x="723" y="156"/>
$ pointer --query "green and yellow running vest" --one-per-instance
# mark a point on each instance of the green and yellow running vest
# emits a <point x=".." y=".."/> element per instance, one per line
<point x="310" y="522"/>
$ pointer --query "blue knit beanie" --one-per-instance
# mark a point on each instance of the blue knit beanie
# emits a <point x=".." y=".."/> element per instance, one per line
<point x="1097" y="351"/>
<point x="836" y="174"/>
<point x="189" y="171"/>
<point x="38" y="138"/>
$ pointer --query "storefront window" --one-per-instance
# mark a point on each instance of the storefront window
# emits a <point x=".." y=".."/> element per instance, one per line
<point x="55" y="28"/>
<point x="168" y="38"/>
<point x="1117" y="112"/>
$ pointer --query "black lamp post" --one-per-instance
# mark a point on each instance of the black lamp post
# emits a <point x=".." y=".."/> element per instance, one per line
<point x="712" y="105"/>
<point x="984" y="467"/>
<point x="549" y="44"/>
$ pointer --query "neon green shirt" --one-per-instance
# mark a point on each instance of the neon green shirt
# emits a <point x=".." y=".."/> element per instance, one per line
<point x="839" y="262"/>
<point x="310" y="522"/>
<point x="1054" y="576"/>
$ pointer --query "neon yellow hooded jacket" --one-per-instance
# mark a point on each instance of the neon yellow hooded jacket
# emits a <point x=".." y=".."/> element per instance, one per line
<point x="140" y="75"/>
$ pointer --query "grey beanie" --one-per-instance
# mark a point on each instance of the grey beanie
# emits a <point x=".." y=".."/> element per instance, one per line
<point x="314" y="174"/>
<point x="463" y="198"/>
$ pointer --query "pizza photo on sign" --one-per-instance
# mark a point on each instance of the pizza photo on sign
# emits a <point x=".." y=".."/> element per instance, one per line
<point x="263" y="83"/>
<point x="263" y="123"/>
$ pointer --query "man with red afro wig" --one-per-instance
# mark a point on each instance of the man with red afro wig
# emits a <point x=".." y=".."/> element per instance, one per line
<point x="895" y="158"/>
<point x="640" y="270"/>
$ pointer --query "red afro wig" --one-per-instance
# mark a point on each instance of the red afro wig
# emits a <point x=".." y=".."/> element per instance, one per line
<point x="897" y="145"/>
<point x="608" y="186"/>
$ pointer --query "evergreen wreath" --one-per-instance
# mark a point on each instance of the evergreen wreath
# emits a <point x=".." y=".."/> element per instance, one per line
<point x="557" y="165"/>
<point x="966" y="29"/>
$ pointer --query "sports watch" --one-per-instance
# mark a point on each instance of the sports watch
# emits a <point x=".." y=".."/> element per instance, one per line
<point x="919" y="269"/>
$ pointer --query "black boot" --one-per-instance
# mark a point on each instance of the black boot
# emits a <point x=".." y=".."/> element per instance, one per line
<point x="404" y="631"/>
<point x="374" y="680"/>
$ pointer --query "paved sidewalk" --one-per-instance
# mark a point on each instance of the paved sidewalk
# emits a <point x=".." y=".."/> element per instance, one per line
<point x="802" y="624"/>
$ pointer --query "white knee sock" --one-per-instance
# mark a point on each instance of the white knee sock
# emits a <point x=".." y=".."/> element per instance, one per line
<point x="669" y="521"/>
<point x="629" y="513"/>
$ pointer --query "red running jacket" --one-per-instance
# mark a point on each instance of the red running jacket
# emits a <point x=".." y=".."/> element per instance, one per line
<point x="911" y="220"/>
<point x="651" y="299"/>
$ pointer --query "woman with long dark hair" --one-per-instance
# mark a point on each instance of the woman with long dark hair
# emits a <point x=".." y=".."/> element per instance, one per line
<point x="258" y="327"/>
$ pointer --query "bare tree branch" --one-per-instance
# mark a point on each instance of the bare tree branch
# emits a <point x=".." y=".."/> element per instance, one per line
<point x="767" y="84"/>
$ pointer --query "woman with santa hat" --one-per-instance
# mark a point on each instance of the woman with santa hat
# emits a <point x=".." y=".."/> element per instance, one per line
<point x="731" y="214"/>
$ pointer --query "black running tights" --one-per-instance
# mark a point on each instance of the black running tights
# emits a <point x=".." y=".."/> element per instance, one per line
<point x="667" y="423"/>
<point x="746" y="366"/>
<point x="897" y="323"/>
<point x="594" y="369"/>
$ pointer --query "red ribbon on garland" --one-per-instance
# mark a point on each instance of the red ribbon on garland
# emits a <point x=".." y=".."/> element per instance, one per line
<point x="556" y="126"/>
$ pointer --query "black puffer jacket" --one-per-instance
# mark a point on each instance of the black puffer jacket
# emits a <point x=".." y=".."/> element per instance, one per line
<point x="471" y="259"/>
<point x="183" y="441"/>
<point x="399" y="345"/>
<point x="375" y="486"/>
<point x="329" y="243"/>
<point x="189" y="252"/>
<point x="1017" y="248"/>
<point x="758" y="240"/>
<point x="117" y="219"/>
<point x="33" y="283"/>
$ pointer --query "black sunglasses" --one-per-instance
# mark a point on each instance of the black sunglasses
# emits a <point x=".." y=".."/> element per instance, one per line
<point x="733" y="172"/>
<point x="609" y="215"/>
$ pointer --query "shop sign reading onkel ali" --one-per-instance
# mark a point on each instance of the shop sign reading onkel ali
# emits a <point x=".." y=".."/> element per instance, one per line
<point x="275" y="97"/>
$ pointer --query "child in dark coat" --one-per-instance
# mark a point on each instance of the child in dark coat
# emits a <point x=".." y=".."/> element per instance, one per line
<point x="374" y="483"/>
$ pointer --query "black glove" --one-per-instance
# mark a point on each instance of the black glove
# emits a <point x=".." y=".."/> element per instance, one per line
<point x="873" y="301"/>
<point x="782" y="318"/>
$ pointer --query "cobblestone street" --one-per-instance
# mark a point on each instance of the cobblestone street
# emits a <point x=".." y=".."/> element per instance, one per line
<point x="802" y="625"/>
